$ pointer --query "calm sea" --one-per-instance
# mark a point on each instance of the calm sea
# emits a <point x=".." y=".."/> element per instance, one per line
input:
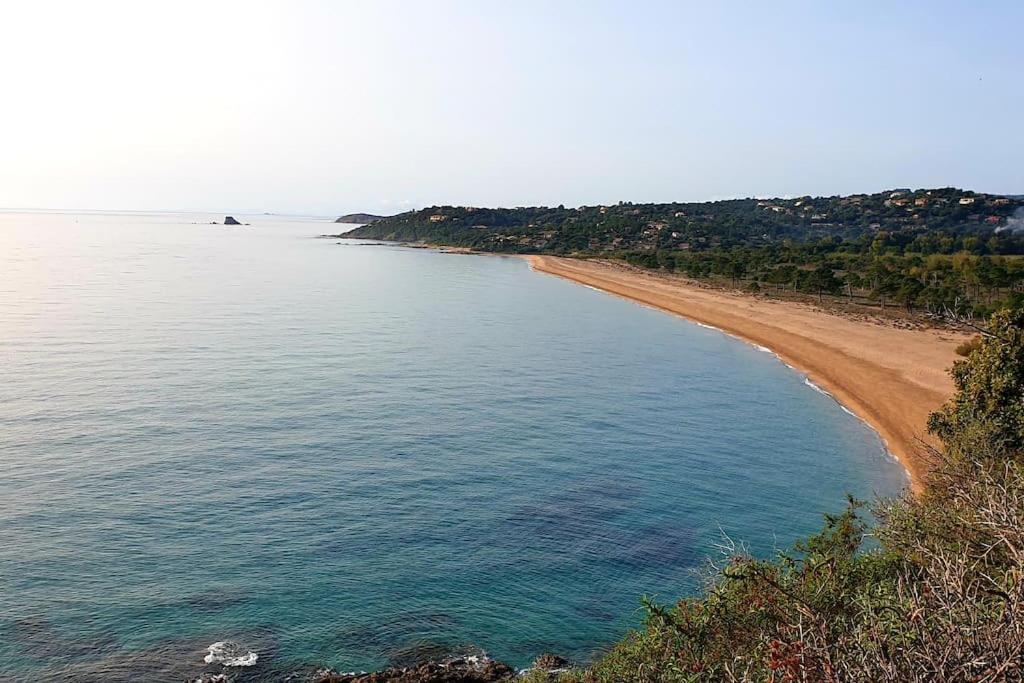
<point x="350" y="455"/>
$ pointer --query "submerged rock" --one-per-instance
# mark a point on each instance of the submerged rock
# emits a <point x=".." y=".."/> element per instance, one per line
<point x="417" y="653"/>
<point x="211" y="678"/>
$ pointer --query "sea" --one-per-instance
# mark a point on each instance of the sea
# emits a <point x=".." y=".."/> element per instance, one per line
<point x="258" y="451"/>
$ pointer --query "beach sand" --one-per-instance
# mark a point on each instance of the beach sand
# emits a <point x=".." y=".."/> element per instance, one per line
<point x="890" y="377"/>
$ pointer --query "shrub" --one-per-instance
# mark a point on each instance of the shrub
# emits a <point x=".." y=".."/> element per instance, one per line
<point x="968" y="347"/>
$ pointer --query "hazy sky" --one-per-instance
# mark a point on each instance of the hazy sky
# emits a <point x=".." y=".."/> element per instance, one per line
<point x="329" y="107"/>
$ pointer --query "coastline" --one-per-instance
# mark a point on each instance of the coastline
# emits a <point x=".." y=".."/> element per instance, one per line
<point x="889" y="377"/>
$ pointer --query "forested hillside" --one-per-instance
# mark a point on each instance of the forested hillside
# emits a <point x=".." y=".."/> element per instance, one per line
<point x="932" y="250"/>
<point x="702" y="226"/>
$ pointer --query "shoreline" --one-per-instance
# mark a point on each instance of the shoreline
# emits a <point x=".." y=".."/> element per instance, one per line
<point x="888" y="377"/>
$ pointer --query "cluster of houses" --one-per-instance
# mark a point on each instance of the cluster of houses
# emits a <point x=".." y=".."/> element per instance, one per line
<point x="908" y="200"/>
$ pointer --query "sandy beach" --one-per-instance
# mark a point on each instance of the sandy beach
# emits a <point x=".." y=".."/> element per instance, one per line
<point x="890" y="377"/>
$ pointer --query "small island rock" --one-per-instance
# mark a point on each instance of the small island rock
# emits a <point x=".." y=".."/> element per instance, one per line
<point x="230" y="220"/>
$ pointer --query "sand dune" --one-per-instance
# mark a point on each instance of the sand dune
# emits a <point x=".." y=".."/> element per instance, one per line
<point x="891" y="377"/>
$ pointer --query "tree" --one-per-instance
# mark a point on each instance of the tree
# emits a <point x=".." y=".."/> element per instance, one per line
<point x="908" y="291"/>
<point x="823" y="280"/>
<point x="853" y="281"/>
<point x="885" y="288"/>
<point x="736" y="269"/>
<point x="781" y="275"/>
<point x="988" y="406"/>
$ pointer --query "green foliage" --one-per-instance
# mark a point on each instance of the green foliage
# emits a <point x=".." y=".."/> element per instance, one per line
<point x="988" y="406"/>
<point x="938" y="256"/>
<point x="933" y="220"/>
<point x="968" y="347"/>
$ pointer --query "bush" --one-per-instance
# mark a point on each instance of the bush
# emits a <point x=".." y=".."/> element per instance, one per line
<point x="968" y="347"/>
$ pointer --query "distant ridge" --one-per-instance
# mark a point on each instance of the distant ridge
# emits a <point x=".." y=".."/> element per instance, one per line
<point x="361" y="218"/>
<point x="899" y="214"/>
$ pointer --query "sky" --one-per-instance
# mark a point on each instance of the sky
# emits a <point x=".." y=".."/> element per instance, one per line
<point x="328" y="107"/>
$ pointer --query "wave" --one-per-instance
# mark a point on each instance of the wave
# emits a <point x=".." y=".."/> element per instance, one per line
<point x="227" y="653"/>
<point x="812" y="385"/>
<point x="885" y="444"/>
<point x="846" y="410"/>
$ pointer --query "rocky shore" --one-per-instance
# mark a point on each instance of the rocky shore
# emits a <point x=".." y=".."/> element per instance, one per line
<point x="458" y="669"/>
<point x="466" y="669"/>
<point x="472" y="669"/>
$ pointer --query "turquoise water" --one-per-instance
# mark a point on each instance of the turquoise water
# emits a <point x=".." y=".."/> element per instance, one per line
<point x="343" y="455"/>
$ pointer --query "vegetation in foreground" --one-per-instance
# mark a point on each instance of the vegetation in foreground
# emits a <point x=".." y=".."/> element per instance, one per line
<point x="939" y="595"/>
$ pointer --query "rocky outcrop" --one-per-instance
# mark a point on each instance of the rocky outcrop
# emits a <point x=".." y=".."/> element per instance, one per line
<point x="550" y="662"/>
<point x="359" y="218"/>
<point x="456" y="670"/>
<point x="230" y="220"/>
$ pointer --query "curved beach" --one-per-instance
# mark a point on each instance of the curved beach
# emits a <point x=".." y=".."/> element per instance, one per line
<point x="890" y="377"/>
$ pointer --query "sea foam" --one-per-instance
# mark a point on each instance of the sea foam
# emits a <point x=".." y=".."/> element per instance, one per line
<point x="228" y="653"/>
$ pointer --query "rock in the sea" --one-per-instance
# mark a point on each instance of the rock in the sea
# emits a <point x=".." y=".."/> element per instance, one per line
<point x="456" y="670"/>
<point x="416" y="653"/>
<point x="550" y="662"/>
<point x="230" y="220"/>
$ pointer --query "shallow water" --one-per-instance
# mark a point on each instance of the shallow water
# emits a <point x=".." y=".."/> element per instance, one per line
<point x="346" y="455"/>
